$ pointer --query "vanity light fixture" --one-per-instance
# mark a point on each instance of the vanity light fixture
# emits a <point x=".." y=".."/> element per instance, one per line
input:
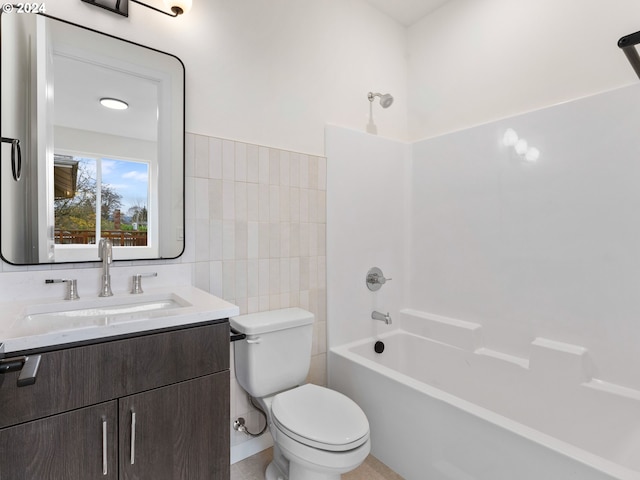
<point x="114" y="103"/>
<point x="121" y="7"/>
<point x="179" y="7"/>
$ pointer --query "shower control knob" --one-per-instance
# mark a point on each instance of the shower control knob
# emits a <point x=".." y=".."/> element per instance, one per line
<point x="375" y="279"/>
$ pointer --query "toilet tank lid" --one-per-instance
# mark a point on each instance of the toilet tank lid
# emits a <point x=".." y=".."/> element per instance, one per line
<point x="271" y="321"/>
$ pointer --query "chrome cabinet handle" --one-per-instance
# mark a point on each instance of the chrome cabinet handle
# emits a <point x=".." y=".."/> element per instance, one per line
<point x="133" y="437"/>
<point x="104" y="447"/>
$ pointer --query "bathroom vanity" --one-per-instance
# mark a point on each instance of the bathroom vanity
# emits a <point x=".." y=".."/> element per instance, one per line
<point x="146" y="404"/>
<point x="125" y="386"/>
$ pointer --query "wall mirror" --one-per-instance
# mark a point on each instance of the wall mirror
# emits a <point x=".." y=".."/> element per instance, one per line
<point x="92" y="144"/>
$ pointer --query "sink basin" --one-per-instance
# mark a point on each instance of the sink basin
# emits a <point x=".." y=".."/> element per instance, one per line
<point x="59" y="317"/>
<point x="35" y="324"/>
<point x="109" y="311"/>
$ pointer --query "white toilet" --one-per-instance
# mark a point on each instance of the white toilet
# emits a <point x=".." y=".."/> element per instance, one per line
<point x="318" y="433"/>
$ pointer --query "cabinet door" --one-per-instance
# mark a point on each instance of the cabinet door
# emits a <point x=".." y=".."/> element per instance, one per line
<point x="77" y="445"/>
<point x="180" y="431"/>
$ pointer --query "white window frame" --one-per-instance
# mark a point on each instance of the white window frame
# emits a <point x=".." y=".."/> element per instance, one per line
<point x="78" y="252"/>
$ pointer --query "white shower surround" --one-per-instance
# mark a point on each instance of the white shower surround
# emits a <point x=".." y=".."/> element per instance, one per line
<point x="525" y="250"/>
<point x="547" y="249"/>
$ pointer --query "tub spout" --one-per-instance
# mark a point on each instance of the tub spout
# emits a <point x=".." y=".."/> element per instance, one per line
<point x="381" y="316"/>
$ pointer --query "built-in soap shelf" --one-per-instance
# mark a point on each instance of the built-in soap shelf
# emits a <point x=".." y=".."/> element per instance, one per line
<point x="548" y="360"/>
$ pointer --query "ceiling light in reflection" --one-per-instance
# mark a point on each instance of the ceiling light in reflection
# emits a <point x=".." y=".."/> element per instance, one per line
<point x="114" y="103"/>
<point x="510" y="137"/>
<point x="532" y="154"/>
<point x="521" y="146"/>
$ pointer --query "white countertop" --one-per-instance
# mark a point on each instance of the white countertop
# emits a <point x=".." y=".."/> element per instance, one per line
<point x="27" y="325"/>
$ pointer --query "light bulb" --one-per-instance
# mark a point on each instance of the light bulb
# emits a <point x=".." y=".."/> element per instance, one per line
<point x="178" y="6"/>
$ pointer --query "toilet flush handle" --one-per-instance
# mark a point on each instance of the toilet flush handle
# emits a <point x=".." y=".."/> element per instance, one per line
<point x="254" y="339"/>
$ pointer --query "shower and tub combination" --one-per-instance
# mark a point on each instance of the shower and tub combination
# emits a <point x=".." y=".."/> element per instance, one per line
<point x="513" y="348"/>
<point x="443" y="407"/>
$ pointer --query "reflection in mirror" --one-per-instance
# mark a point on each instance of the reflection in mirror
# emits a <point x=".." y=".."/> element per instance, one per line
<point x="89" y="170"/>
<point x="100" y="198"/>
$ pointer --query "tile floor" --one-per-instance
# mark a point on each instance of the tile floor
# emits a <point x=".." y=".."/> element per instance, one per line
<point x="253" y="468"/>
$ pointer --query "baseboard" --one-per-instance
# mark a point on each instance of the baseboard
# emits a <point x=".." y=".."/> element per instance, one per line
<point x="251" y="447"/>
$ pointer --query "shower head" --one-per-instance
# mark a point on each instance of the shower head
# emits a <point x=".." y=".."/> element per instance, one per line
<point x="385" y="99"/>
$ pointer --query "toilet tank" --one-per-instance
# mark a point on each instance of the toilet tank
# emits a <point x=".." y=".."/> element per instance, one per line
<point x="276" y="354"/>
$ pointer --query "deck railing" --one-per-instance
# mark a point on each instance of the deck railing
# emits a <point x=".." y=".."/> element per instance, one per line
<point x="119" y="238"/>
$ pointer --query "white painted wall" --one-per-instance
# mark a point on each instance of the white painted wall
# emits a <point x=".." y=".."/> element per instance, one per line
<point x="272" y="73"/>
<point x="474" y="61"/>
<point x="367" y="218"/>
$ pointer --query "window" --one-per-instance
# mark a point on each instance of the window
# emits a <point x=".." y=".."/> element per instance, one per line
<point x="100" y="198"/>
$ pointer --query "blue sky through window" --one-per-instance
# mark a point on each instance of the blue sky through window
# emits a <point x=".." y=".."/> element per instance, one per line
<point x="129" y="179"/>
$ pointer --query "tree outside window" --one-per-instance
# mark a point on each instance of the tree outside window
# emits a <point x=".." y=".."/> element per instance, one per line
<point x="119" y="187"/>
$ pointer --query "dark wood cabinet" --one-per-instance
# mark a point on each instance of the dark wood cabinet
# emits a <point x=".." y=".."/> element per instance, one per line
<point x="78" y="444"/>
<point x="170" y="435"/>
<point x="163" y="398"/>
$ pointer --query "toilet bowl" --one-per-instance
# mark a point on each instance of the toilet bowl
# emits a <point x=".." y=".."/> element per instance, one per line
<point x="318" y="433"/>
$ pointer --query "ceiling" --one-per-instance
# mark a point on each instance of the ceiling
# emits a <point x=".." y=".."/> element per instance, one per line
<point x="79" y="85"/>
<point x="407" y="12"/>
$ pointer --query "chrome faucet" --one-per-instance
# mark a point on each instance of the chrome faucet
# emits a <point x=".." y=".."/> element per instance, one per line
<point x="137" y="281"/>
<point x="72" y="287"/>
<point x="381" y="316"/>
<point x="105" y="252"/>
<point x="375" y="279"/>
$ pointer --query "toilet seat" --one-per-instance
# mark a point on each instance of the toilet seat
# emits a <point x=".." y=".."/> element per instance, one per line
<point x="320" y="418"/>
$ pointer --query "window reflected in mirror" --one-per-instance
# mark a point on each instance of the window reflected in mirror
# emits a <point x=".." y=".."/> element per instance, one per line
<point x="101" y="198"/>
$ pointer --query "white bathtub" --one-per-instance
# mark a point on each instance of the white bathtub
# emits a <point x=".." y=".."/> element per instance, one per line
<point x="442" y="411"/>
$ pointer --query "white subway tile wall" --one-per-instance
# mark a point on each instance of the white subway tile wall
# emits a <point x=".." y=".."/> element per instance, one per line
<point x="256" y="221"/>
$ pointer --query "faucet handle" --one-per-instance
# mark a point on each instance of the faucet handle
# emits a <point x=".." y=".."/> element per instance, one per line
<point x="137" y="281"/>
<point x="72" y="287"/>
<point x="375" y="279"/>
